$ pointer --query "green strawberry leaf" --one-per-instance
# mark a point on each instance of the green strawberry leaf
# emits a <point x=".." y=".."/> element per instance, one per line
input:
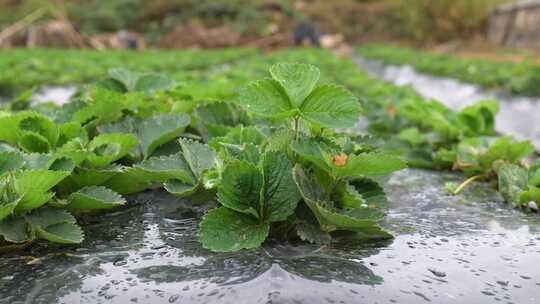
<point x="297" y="79"/>
<point x="14" y="230"/>
<point x="152" y="171"/>
<point x="160" y="169"/>
<point x="198" y="156"/>
<point x="313" y="151"/>
<point x="84" y="177"/>
<point x="348" y="197"/>
<point x="32" y="131"/>
<point x="105" y="106"/>
<point x="34" y="186"/>
<point x="10" y="161"/>
<point x="152" y="83"/>
<point x="152" y="132"/>
<point x="365" y="164"/>
<point x="240" y="188"/>
<point x="512" y="182"/>
<point x="531" y="195"/>
<point x="55" y="225"/>
<point x="7" y="208"/>
<point x="127" y="181"/>
<point x="107" y="148"/>
<point x="217" y="118"/>
<point x="330" y="218"/>
<point x="180" y="188"/>
<point x="280" y="192"/>
<point x="479" y="119"/>
<point x="332" y="107"/>
<point x="33" y="142"/>
<point x="480" y="154"/>
<point x="243" y="135"/>
<point x="44" y="217"/>
<point x="507" y="149"/>
<point x="534" y="174"/>
<point x="160" y="130"/>
<point x="369" y="164"/>
<point x="63" y="233"/>
<point x="246" y="152"/>
<point x="39" y="124"/>
<point x="266" y="98"/>
<point x="225" y="230"/>
<point x="134" y="81"/>
<point x="313" y="234"/>
<point x="126" y="77"/>
<point x="94" y="198"/>
<point x="371" y="192"/>
<point x="70" y="131"/>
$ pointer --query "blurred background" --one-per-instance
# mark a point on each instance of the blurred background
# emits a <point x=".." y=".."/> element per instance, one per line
<point x="263" y="23"/>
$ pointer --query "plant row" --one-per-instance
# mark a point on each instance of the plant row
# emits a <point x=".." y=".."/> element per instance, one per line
<point x="27" y="68"/>
<point x="270" y="151"/>
<point x="521" y="78"/>
<point x="276" y="167"/>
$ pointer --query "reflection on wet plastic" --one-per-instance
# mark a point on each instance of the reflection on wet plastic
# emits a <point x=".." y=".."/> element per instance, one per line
<point x="58" y="95"/>
<point x="469" y="249"/>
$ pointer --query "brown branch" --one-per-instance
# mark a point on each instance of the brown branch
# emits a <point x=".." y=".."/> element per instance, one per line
<point x="21" y="24"/>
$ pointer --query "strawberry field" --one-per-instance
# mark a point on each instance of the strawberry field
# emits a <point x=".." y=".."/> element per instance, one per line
<point x="237" y="176"/>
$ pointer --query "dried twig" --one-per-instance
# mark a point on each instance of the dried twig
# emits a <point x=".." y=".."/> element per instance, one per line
<point x="21" y="24"/>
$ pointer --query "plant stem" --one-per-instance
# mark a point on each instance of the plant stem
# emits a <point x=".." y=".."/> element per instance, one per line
<point x="296" y="128"/>
<point x="334" y="185"/>
<point x="466" y="183"/>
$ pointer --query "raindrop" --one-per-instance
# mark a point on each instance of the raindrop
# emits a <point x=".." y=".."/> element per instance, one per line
<point x="173" y="298"/>
<point x="437" y="273"/>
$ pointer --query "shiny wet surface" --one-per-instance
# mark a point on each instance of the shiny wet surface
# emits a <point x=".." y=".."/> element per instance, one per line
<point x="57" y="94"/>
<point x="465" y="249"/>
<point x="518" y="115"/>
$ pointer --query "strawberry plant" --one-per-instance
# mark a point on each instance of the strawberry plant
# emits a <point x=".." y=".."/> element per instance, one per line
<point x="278" y="167"/>
<point x="430" y="135"/>
<point x="292" y="176"/>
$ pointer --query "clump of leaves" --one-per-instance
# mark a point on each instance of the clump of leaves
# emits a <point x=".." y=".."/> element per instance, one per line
<point x="312" y="185"/>
<point x="293" y="93"/>
<point x="57" y="163"/>
<point x="277" y="166"/>
<point x="123" y="80"/>
<point x="482" y="157"/>
<point x="520" y="186"/>
<point x="432" y="136"/>
<point x="253" y="196"/>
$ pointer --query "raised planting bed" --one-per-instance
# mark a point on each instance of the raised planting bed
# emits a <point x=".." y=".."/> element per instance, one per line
<point x="446" y="249"/>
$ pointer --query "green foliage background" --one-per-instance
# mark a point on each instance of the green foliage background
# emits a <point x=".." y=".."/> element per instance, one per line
<point x="420" y="21"/>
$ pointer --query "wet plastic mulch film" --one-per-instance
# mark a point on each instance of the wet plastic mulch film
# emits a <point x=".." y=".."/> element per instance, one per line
<point x="468" y="249"/>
